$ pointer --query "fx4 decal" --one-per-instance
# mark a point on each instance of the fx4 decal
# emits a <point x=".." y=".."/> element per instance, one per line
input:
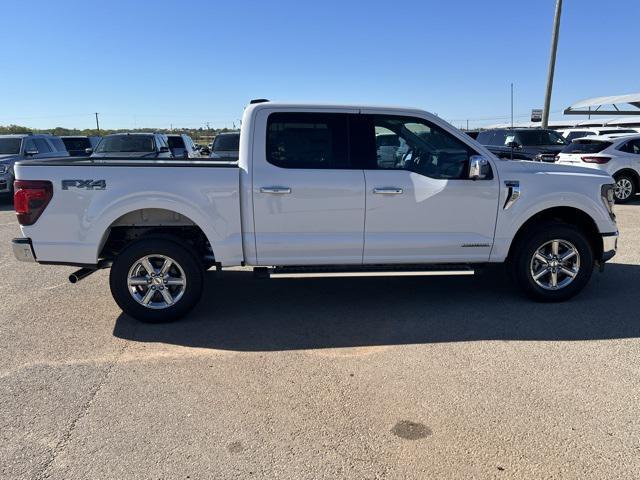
<point x="86" y="184"/>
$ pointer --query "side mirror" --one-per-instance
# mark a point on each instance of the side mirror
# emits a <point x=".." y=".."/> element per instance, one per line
<point x="164" y="149"/>
<point x="513" y="144"/>
<point x="30" y="153"/>
<point x="479" y="167"/>
<point x="88" y="151"/>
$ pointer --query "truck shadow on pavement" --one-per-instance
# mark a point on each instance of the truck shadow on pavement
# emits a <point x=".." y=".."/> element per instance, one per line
<point x="241" y="313"/>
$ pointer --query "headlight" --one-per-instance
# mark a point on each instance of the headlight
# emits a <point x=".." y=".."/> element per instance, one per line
<point x="608" y="198"/>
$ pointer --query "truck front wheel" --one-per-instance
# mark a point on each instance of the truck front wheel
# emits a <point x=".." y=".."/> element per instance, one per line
<point x="553" y="263"/>
<point x="156" y="280"/>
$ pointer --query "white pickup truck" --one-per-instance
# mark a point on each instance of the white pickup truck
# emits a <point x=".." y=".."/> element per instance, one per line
<point x="319" y="190"/>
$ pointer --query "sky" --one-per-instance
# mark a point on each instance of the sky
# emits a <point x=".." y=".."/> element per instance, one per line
<point x="185" y="63"/>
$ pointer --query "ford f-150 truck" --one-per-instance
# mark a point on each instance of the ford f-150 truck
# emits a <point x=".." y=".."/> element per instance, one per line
<point x="312" y="194"/>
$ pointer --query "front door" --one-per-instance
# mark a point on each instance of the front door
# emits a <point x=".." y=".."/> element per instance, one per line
<point x="420" y="206"/>
<point x="308" y="202"/>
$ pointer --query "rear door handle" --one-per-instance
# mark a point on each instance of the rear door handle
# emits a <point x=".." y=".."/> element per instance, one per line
<point x="388" y="191"/>
<point x="276" y="190"/>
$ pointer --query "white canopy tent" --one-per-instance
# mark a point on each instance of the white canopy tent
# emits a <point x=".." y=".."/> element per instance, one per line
<point x="593" y="106"/>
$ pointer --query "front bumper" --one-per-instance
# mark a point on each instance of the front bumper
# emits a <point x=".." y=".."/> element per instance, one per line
<point x="23" y="250"/>
<point x="609" y="246"/>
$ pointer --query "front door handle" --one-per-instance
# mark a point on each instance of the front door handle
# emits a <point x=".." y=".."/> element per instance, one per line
<point x="276" y="190"/>
<point x="388" y="191"/>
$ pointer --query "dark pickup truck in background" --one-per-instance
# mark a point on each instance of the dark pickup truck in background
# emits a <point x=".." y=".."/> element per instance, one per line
<point x="523" y="143"/>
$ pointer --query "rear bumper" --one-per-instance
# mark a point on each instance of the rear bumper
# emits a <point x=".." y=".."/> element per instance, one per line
<point x="23" y="250"/>
<point x="609" y="246"/>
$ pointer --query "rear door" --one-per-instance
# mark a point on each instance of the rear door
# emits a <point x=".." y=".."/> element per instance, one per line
<point x="308" y="199"/>
<point x="422" y="208"/>
<point x="631" y="154"/>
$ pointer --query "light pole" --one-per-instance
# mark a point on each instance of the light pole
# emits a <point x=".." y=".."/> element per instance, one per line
<point x="552" y="64"/>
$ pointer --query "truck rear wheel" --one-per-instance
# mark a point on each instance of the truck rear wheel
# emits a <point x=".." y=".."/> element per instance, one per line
<point x="553" y="263"/>
<point x="156" y="280"/>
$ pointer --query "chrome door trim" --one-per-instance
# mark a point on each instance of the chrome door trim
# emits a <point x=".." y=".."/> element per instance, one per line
<point x="388" y="190"/>
<point x="276" y="190"/>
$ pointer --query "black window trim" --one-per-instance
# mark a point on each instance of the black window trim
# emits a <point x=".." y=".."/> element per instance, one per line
<point x="351" y="165"/>
<point x="471" y="151"/>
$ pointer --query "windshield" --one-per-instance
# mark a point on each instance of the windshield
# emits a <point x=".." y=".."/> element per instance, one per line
<point x="126" y="144"/>
<point x="579" y="134"/>
<point x="540" y="137"/>
<point x="78" y="143"/>
<point x="227" y="143"/>
<point x="586" y="146"/>
<point x="10" y="146"/>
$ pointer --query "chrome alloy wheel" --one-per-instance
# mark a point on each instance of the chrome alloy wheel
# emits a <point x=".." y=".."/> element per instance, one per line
<point x="156" y="281"/>
<point x="555" y="264"/>
<point x="623" y="188"/>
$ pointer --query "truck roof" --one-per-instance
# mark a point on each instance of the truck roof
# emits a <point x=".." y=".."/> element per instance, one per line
<point x="332" y="106"/>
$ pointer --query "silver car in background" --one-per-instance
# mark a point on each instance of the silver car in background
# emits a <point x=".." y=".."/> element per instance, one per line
<point x="24" y="147"/>
<point x="138" y="145"/>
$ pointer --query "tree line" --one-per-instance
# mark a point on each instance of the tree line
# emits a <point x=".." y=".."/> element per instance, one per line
<point x="194" y="133"/>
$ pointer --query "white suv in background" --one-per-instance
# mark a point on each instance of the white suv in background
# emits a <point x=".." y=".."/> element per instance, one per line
<point x="618" y="156"/>
<point x="577" y="132"/>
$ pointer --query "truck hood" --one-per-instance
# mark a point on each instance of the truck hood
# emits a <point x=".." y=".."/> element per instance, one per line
<point x="520" y="167"/>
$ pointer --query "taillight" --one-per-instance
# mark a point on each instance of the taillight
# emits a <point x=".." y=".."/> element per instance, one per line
<point x="599" y="160"/>
<point x="30" y="199"/>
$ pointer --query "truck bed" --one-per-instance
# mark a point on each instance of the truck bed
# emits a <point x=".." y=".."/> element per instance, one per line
<point x="92" y="195"/>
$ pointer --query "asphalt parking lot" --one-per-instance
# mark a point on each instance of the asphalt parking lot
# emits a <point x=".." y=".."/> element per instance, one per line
<point x="354" y="378"/>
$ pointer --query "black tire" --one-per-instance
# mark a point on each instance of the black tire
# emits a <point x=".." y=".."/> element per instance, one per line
<point x="522" y="262"/>
<point x="185" y="263"/>
<point x="626" y="188"/>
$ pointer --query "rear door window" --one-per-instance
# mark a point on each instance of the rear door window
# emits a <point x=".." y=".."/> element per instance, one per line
<point x="306" y="140"/>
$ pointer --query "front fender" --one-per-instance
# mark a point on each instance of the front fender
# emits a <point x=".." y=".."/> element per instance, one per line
<point x="537" y="198"/>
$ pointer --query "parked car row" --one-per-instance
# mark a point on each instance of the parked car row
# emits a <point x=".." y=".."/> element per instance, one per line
<point x="132" y="145"/>
<point x="619" y="156"/>
<point x="23" y="147"/>
<point x="613" y="150"/>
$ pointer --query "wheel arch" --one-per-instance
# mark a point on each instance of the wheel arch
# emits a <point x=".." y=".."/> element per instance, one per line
<point x="158" y="222"/>
<point x="569" y="215"/>
<point x="632" y="173"/>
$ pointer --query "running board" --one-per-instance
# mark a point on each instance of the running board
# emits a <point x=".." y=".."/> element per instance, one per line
<point x="365" y="271"/>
